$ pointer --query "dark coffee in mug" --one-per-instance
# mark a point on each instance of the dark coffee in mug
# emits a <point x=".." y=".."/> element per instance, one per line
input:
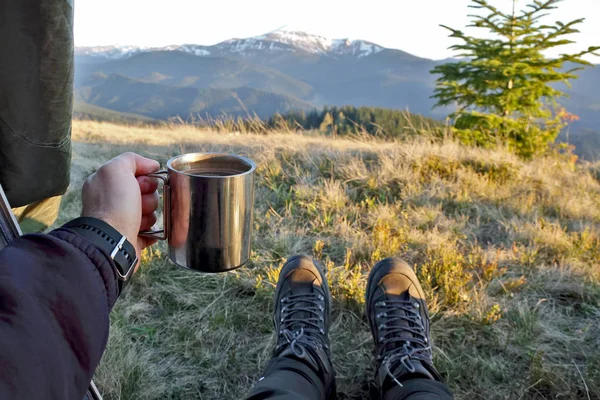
<point x="203" y="171"/>
<point x="216" y="165"/>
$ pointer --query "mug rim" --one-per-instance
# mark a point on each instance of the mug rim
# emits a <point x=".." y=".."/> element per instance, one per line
<point x="247" y="160"/>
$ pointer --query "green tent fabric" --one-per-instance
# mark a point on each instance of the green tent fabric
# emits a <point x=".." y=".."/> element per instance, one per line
<point x="36" y="97"/>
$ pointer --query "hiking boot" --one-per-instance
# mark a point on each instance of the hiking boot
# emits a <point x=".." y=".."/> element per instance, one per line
<point x="302" y="317"/>
<point x="399" y="322"/>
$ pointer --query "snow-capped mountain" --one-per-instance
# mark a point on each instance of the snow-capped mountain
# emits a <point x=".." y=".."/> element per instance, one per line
<point x="300" y="41"/>
<point x="109" y="52"/>
<point x="277" y="41"/>
<point x="122" y="52"/>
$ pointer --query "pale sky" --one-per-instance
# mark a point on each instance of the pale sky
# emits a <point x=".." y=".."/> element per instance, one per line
<point x="409" y="25"/>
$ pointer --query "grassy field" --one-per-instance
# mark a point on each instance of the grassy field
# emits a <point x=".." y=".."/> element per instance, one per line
<point x="507" y="252"/>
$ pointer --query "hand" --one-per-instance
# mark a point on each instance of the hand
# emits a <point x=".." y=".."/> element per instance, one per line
<point x="119" y="196"/>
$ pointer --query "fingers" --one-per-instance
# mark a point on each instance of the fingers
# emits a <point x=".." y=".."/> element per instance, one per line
<point x="148" y="222"/>
<point x="147" y="185"/>
<point x="145" y="165"/>
<point x="137" y="164"/>
<point x="149" y="203"/>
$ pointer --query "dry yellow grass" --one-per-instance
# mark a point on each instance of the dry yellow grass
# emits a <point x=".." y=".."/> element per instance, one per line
<point x="507" y="252"/>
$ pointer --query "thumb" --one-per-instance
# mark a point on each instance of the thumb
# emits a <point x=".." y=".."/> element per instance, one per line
<point x="139" y="165"/>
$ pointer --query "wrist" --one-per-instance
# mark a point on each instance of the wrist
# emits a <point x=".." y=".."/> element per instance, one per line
<point x="111" y="242"/>
<point x="105" y="218"/>
<point x="102" y="264"/>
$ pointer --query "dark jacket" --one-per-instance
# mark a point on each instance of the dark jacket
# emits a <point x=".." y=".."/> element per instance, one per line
<point x="56" y="292"/>
<point x="36" y="98"/>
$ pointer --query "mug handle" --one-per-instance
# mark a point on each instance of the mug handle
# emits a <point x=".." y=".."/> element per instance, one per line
<point x="163" y="233"/>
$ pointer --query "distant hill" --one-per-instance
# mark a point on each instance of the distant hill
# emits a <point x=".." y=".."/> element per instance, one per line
<point x="84" y="110"/>
<point x="126" y="95"/>
<point x="181" y="69"/>
<point x="586" y="142"/>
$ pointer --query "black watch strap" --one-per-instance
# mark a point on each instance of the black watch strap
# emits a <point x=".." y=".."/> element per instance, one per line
<point x="108" y="239"/>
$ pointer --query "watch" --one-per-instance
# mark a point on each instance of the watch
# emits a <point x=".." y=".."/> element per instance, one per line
<point x="108" y="239"/>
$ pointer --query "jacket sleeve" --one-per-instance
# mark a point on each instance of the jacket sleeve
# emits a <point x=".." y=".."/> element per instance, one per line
<point x="56" y="293"/>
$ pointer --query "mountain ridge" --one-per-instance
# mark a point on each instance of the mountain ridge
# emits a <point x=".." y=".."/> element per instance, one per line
<point x="276" y="41"/>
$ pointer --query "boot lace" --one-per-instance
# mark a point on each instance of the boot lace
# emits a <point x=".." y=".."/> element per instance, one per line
<point x="306" y="330"/>
<point x="394" y="347"/>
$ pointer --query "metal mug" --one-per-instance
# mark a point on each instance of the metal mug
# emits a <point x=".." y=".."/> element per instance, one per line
<point x="208" y="204"/>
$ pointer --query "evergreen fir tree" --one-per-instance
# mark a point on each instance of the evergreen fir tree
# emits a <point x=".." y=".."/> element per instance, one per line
<point x="503" y="88"/>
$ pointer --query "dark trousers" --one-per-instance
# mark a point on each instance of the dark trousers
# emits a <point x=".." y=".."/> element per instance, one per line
<point x="289" y="379"/>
